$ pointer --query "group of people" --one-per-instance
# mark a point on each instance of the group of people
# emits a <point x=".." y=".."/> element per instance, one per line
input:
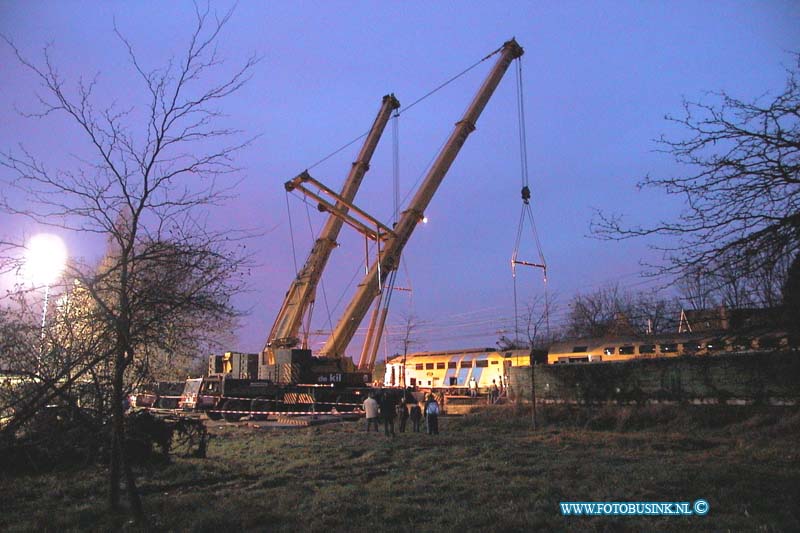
<point x="493" y="393"/>
<point x="386" y="408"/>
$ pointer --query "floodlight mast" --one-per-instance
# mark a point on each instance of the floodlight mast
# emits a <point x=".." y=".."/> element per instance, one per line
<point x="299" y="298"/>
<point x="369" y="288"/>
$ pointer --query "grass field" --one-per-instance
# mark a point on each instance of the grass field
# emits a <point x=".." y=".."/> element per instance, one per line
<point x="485" y="472"/>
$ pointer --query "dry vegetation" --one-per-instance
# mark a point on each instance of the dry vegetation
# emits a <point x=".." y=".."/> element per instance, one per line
<point x="485" y="471"/>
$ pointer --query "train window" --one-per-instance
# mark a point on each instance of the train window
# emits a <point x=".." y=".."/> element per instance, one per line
<point x="691" y="346"/>
<point x="482" y="364"/>
<point x="579" y="349"/>
<point x="428" y="366"/>
<point x="626" y="350"/>
<point x="494" y="362"/>
<point x="419" y="366"/>
<point x="466" y="364"/>
<point x="609" y="350"/>
<point x="647" y="348"/>
<point x="668" y="348"/>
<point x="451" y="364"/>
<point x="439" y="365"/>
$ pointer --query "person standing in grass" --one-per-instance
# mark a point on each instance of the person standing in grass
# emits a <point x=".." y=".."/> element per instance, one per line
<point x="388" y="413"/>
<point x="415" y="415"/>
<point x="371" y="411"/>
<point x="432" y="415"/>
<point x="402" y="413"/>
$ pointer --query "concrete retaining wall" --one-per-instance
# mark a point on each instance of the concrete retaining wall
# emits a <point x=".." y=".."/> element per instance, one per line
<point x="743" y="378"/>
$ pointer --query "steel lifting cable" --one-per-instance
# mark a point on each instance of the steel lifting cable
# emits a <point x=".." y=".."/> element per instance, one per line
<point x="406" y="108"/>
<point x="291" y="231"/>
<point x="307" y="326"/>
<point x="388" y="288"/>
<point x="396" y="160"/>
<point x="527" y="212"/>
<point x="396" y="165"/>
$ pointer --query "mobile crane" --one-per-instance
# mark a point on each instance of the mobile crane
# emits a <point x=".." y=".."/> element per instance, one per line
<point x="276" y="358"/>
<point x="242" y="374"/>
<point x="370" y="287"/>
<point x="283" y="368"/>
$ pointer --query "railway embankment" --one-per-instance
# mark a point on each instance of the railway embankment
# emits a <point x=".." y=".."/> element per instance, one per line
<point x="751" y="378"/>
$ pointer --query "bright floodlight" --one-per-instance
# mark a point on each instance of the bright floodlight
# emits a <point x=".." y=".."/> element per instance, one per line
<point x="45" y="258"/>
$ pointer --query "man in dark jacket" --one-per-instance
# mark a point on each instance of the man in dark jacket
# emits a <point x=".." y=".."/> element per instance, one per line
<point x="388" y="413"/>
<point x="402" y="413"/>
<point x="416" y="416"/>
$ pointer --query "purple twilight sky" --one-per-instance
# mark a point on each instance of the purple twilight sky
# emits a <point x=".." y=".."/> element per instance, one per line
<point x="598" y="77"/>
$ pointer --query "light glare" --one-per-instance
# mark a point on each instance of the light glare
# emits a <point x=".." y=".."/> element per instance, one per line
<point x="45" y="258"/>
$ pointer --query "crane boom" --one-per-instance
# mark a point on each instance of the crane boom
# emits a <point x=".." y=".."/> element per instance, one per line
<point x="300" y="295"/>
<point x="368" y="289"/>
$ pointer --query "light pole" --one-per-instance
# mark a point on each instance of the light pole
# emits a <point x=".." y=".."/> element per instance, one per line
<point x="45" y="259"/>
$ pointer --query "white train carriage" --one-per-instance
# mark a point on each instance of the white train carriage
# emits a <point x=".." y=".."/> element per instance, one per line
<point x="453" y="369"/>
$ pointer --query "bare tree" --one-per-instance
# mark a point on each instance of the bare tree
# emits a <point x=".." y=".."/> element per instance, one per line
<point x="722" y="284"/>
<point x="767" y="283"/>
<point x="741" y="188"/>
<point x="146" y="190"/>
<point x="410" y="327"/>
<point x="697" y="289"/>
<point x="610" y="311"/>
<point x="602" y="312"/>
<point x="791" y="298"/>
<point x="653" y="314"/>
<point x="535" y="321"/>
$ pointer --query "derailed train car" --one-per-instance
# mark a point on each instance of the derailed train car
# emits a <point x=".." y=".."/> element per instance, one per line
<point x="595" y="350"/>
<point x="456" y="368"/>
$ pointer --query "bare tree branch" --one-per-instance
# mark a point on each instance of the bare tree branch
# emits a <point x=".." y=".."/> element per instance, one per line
<point x="741" y="189"/>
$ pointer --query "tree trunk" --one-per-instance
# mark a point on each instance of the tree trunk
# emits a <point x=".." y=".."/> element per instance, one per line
<point x="117" y="436"/>
<point x="119" y="464"/>
<point x="533" y="394"/>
